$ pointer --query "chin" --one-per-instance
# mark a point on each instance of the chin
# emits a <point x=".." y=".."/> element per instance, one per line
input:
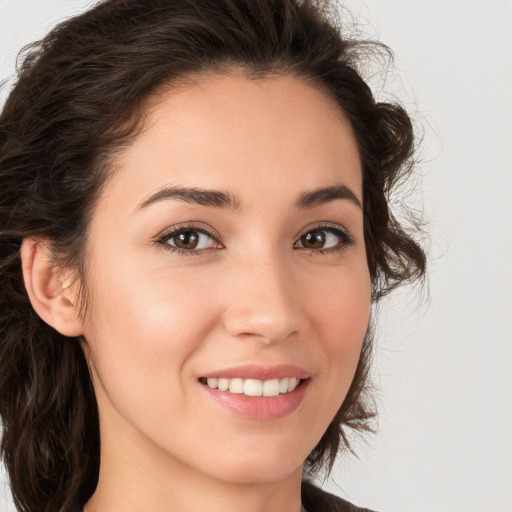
<point x="258" y="466"/>
<point x="275" y="471"/>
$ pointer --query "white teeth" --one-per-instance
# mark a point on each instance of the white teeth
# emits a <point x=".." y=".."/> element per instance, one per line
<point x="223" y="384"/>
<point x="271" y="387"/>
<point x="236" y="386"/>
<point x="254" y="387"/>
<point x="292" y="384"/>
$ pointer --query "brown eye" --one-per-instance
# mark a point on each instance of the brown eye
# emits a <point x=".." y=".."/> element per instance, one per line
<point x="189" y="240"/>
<point x="324" y="239"/>
<point x="313" y="240"/>
<point x="186" y="240"/>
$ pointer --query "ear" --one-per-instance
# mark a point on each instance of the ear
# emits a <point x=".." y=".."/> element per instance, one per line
<point x="52" y="291"/>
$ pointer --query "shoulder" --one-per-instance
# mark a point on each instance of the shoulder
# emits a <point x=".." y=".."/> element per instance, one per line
<point x="315" y="499"/>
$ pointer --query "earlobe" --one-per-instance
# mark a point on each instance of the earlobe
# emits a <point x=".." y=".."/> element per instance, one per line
<point x="48" y="288"/>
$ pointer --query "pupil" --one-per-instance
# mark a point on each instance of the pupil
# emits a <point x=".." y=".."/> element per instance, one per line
<point x="187" y="240"/>
<point x="314" y="240"/>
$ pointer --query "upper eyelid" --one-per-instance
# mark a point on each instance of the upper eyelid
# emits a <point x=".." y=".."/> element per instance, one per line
<point x="323" y="225"/>
<point x="210" y="231"/>
<point x="200" y="227"/>
<point x="189" y="226"/>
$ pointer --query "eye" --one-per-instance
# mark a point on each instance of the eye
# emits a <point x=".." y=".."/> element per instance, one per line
<point x="188" y="240"/>
<point x="324" y="239"/>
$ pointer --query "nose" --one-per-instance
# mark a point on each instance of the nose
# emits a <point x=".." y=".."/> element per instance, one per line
<point x="263" y="301"/>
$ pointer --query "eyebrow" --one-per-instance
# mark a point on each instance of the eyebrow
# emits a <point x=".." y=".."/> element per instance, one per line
<point x="195" y="195"/>
<point x="325" y="195"/>
<point x="223" y="199"/>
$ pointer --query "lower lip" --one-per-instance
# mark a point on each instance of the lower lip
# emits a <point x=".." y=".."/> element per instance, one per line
<point x="260" y="407"/>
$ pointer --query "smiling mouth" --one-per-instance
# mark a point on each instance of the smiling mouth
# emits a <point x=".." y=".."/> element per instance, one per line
<point x="253" y="387"/>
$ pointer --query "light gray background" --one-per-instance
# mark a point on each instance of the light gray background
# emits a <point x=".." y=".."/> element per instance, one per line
<point x="444" y="369"/>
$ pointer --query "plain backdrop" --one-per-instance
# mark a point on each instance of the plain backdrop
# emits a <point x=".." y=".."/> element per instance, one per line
<point x="443" y="366"/>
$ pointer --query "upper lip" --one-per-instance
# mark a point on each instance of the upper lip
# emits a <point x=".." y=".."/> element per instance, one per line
<point x="258" y="372"/>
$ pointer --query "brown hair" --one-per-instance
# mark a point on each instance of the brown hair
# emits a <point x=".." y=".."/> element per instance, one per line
<point x="80" y="94"/>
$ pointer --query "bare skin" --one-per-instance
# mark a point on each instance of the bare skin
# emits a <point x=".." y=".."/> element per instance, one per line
<point x="269" y="282"/>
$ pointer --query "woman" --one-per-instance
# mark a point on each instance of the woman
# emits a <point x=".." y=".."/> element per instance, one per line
<point x="194" y="226"/>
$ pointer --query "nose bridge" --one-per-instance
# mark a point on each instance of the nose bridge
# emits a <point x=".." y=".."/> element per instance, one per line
<point x="262" y="299"/>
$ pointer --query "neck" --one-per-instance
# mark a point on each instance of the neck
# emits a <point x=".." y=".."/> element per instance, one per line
<point x="143" y="477"/>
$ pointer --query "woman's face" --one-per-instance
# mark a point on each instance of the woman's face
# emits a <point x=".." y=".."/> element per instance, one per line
<point x="228" y="250"/>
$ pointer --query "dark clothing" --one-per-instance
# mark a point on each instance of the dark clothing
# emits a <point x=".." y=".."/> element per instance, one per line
<point x="313" y="500"/>
<point x="316" y="500"/>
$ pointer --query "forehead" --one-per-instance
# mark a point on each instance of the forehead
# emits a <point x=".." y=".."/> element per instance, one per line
<point x="270" y="135"/>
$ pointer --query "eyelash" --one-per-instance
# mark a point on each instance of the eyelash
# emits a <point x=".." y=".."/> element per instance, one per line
<point x="163" y="239"/>
<point x="345" y="238"/>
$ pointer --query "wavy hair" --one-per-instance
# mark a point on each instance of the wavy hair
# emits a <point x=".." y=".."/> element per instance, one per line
<point x="80" y="95"/>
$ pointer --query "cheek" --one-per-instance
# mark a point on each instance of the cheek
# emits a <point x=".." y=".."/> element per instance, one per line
<point x="342" y="307"/>
<point x="346" y="320"/>
<point x="342" y="318"/>
<point x="140" y="333"/>
<point x="145" y="308"/>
